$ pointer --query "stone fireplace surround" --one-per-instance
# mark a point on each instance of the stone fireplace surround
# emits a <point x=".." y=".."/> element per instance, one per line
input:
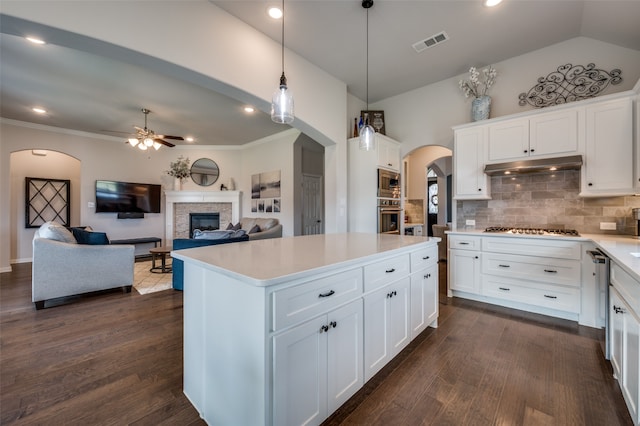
<point x="178" y="205"/>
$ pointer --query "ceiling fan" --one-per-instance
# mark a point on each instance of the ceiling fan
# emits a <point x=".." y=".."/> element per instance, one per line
<point x="147" y="138"/>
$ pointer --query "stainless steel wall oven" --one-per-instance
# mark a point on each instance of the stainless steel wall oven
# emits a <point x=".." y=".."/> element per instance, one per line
<point x="388" y="184"/>
<point x="389" y="216"/>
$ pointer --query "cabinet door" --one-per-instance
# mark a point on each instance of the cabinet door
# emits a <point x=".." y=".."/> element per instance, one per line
<point x="399" y="308"/>
<point x="469" y="153"/>
<point x="345" y="352"/>
<point x="631" y="361"/>
<point x="464" y="271"/>
<point x="300" y="374"/>
<point x="554" y="133"/>
<point x="386" y="327"/>
<point x="608" y="163"/>
<point x="424" y="299"/>
<point x="509" y="140"/>
<point x="388" y="154"/>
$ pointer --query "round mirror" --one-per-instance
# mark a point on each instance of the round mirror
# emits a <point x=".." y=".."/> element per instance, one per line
<point x="204" y="172"/>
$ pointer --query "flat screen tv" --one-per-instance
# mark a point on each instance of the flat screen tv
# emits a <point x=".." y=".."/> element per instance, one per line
<point x="127" y="197"/>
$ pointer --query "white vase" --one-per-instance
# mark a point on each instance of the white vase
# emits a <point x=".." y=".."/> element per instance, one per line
<point x="177" y="184"/>
<point x="480" y="108"/>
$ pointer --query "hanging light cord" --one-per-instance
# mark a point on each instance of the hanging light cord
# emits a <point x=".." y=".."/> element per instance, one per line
<point x="367" y="80"/>
<point x="283" y="77"/>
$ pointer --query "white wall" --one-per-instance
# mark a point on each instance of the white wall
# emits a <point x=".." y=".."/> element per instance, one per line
<point x="54" y="165"/>
<point x="425" y="116"/>
<point x="271" y="154"/>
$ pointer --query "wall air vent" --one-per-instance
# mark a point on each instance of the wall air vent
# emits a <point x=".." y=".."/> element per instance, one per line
<point x="430" y="42"/>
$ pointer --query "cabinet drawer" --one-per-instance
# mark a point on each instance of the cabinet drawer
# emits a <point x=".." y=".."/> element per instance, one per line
<point x="296" y="304"/>
<point x="464" y="242"/>
<point x="532" y="247"/>
<point x="385" y="271"/>
<point x="424" y="258"/>
<point x="546" y="270"/>
<point x="627" y="286"/>
<point x="550" y="296"/>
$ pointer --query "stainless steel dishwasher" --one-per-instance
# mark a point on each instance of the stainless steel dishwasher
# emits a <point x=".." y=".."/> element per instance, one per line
<point x="602" y="281"/>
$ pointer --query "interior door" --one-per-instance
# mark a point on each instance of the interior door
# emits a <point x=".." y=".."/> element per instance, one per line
<point x="312" y="208"/>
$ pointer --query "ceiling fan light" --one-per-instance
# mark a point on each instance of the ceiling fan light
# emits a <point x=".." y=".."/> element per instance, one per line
<point x="148" y="142"/>
<point x="367" y="138"/>
<point x="157" y="145"/>
<point x="142" y="146"/>
<point x="133" y="141"/>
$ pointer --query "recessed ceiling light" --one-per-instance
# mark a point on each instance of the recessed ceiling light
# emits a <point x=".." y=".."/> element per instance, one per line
<point x="248" y="109"/>
<point x="35" y="40"/>
<point x="188" y="139"/>
<point x="275" y="12"/>
<point x="491" y="3"/>
<point x="39" y="110"/>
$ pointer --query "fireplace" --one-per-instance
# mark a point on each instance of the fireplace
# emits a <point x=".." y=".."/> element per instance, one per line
<point x="203" y="222"/>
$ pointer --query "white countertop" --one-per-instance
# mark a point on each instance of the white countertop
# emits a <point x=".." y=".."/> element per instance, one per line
<point x="617" y="247"/>
<point x="275" y="260"/>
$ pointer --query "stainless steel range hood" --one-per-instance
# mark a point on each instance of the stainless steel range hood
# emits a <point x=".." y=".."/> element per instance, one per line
<point x="572" y="162"/>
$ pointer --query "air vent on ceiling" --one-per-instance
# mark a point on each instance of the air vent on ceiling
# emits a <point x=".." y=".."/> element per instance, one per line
<point x="430" y="42"/>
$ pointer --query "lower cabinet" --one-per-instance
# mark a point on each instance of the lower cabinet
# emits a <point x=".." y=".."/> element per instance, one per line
<point x="464" y="270"/>
<point x="624" y="338"/>
<point x="318" y="366"/>
<point x="424" y="299"/>
<point x="386" y="326"/>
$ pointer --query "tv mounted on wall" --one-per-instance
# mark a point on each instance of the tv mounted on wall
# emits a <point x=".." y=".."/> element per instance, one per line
<point x="126" y="198"/>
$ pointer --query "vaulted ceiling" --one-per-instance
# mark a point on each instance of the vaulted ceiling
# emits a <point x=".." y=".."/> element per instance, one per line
<point x="92" y="93"/>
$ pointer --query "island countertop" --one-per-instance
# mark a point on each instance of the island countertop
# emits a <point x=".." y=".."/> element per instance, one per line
<point x="272" y="261"/>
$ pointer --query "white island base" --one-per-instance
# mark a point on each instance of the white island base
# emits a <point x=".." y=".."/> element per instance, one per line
<point x="284" y="331"/>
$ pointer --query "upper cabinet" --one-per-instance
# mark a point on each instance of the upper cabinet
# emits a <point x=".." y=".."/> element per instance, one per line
<point x="469" y="148"/>
<point x="388" y="153"/>
<point x="608" y="156"/>
<point x="542" y="135"/>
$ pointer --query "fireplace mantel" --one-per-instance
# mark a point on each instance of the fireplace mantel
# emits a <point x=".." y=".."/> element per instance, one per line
<point x="173" y="197"/>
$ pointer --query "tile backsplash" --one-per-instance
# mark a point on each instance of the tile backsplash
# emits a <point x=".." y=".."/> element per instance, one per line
<point x="547" y="200"/>
<point x="414" y="210"/>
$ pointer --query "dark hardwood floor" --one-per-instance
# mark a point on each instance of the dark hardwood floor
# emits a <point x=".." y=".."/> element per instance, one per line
<point x="116" y="359"/>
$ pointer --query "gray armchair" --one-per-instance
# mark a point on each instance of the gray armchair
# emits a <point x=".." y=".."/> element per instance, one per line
<point x="65" y="268"/>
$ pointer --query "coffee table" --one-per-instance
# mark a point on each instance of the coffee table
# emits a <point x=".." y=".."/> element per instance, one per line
<point x="160" y="252"/>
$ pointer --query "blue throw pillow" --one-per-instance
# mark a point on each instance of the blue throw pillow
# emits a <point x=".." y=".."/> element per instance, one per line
<point x="212" y="235"/>
<point x="89" y="237"/>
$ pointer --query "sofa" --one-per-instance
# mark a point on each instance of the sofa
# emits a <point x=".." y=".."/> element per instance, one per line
<point x="260" y="228"/>
<point x="185" y="243"/>
<point x="63" y="267"/>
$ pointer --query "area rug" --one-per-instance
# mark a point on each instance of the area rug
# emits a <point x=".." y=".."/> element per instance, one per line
<point x="145" y="281"/>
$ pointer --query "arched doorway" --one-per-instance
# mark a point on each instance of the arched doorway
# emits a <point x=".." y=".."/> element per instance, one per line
<point x="42" y="164"/>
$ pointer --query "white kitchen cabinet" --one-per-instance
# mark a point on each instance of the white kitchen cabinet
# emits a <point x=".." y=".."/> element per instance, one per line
<point x="636" y="140"/>
<point x="508" y="140"/>
<point x="424" y="299"/>
<point x="608" y="159"/>
<point x="362" y="196"/>
<point x="470" y="181"/>
<point x="317" y="366"/>
<point x="388" y="153"/>
<point x="464" y="271"/>
<point x="386" y="325"/>
<point x="624" y="338"/>
<point x="542" y="135"/>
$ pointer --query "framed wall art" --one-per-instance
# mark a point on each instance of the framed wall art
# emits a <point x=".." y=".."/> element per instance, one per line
<point x="47" y="200"/>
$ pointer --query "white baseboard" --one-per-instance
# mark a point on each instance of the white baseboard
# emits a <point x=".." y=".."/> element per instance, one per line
<point x="24" y="260"/>
<point x="5" y="269"/>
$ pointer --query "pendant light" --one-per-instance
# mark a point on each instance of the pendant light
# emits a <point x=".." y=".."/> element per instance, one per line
<point x="282" y="100"/>
<point x="367" y="133"/>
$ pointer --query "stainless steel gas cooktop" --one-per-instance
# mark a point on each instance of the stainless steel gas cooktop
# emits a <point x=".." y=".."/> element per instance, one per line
<point x="532" y="231"/>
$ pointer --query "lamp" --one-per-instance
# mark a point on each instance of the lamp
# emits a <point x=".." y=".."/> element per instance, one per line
<point x="367" y="133"/>
<point x="282" y="100"/>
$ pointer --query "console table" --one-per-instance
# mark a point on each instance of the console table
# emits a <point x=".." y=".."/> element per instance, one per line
<point x="136" y="241"/>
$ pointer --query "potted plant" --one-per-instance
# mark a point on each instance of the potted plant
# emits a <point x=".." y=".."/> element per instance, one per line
<point x="180" y="171"/>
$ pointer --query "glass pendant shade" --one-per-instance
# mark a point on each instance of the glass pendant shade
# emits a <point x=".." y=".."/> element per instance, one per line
<point x="157" y="145"/>
<point x="282" y="106"/>
<point x="148" y="142"/>
<point x="367" y="138"/>
<point x="133" y="142"/>
<point x="142" y="146"/>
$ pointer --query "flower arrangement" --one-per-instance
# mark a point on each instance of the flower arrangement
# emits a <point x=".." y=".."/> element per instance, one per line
<point x="180" y="168"/>
<point x="474" y="86"/>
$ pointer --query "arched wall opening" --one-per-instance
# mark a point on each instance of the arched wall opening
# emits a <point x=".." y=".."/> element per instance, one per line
<point x="42" y="164"/>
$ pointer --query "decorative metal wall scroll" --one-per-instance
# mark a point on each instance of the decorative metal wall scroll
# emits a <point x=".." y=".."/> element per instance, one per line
<point x="570" y="83"/>
<point x="47" y="200"/>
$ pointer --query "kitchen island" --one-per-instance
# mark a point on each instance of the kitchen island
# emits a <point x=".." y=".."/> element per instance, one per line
<point x="284" y="331"/>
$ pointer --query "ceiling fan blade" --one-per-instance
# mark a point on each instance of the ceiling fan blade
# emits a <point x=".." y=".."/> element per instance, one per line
<point x="115" y="131"/>
<point x="163" y="142"/>
<point x="178" y="138"/>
